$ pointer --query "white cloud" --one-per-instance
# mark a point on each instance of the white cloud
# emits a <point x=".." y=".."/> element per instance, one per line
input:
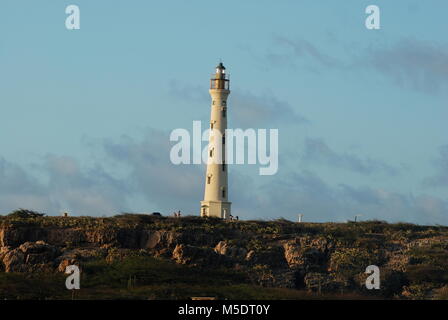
<point x="317" y="151"/>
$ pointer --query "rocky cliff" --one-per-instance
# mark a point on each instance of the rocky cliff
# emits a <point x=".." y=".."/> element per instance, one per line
<point x="327" y="257"/>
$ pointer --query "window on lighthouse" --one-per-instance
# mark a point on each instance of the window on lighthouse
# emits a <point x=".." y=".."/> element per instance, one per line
<point x="223" y="192"/>
<point x="211" y="152"/>
<point x="209" y="179"/>
<point x="224" y="112"/>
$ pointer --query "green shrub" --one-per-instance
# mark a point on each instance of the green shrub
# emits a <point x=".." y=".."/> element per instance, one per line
<point x="25" y="214"/>
<point x="347" y="262"/>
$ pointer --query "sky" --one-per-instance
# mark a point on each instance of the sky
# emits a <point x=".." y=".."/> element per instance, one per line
<point x="361" y="114"/>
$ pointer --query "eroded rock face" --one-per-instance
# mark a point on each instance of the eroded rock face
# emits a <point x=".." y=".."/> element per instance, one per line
<point x="30" y="257"/>
<point x="102" y="236"/>
<point x="293" y="254"/>
<point x="313" y="260"/>
<point x="196" y="256"/>
<point x="2" y="237"/>
<point x="273" y="257"/>
<point x="62" y="237"/>
<point x="65" y="263"/>
<point x="14" y="260"/>
<point x="110" y="236"/>
<point x="158" y="240"/>
<point x="14" y="236"/>
<point x="233" y="252"/>
<point x="307" y="253"/>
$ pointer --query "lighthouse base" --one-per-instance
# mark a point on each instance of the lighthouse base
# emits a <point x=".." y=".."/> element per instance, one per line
<point x="219" y="209"/>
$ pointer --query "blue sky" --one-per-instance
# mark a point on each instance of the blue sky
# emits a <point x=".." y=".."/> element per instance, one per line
<point x="86" y="114"/>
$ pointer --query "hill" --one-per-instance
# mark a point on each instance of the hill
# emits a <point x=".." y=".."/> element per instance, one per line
<point x="136" y="256"/>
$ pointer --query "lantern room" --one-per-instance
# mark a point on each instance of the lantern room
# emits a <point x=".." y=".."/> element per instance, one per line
<point x="220" y="80"/>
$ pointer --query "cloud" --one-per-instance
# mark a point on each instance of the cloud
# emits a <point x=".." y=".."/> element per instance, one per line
<point x="395" y="206"/>
<point x="440" y="179"/>
<point x="317" y="151"/>
<point x="414" y="64"/>
<point x="153" y="175"/>
<point x="247" y="109"/>
<point x="409" y="63"/>
<point x="142" y="168"/>
<point x="150" y="174"/>
<point x="292" y="50"/>
<point x="305" y="192"/>
<point x="15" y="179"/>
<point x="68" y="187"/>
<point x="85" y="191"/>
<point x="19" y="189"/>
<point x="300" y="192"/>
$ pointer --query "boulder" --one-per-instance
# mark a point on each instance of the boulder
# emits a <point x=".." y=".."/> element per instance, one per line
<point x="233" y="252"/>
<point x="158" y="240"/>
<point x="197" y="256"/>
<point x="14" y="260"/>
<point x="30" y="257"/>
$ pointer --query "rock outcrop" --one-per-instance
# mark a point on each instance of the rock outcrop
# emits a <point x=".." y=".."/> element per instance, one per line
<point x="316" y="257"/>
<point x="30" y="257"/>
<point x="198" y="257"/>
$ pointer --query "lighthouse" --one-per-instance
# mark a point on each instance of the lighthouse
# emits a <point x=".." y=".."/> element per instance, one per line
<point x="215" y="203"/>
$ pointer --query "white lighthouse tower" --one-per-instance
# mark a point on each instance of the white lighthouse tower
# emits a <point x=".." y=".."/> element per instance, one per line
<point x="215" y="203"/>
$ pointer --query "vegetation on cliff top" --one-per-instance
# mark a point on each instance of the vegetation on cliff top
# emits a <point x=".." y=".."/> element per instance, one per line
<point x="350" y="231"/>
